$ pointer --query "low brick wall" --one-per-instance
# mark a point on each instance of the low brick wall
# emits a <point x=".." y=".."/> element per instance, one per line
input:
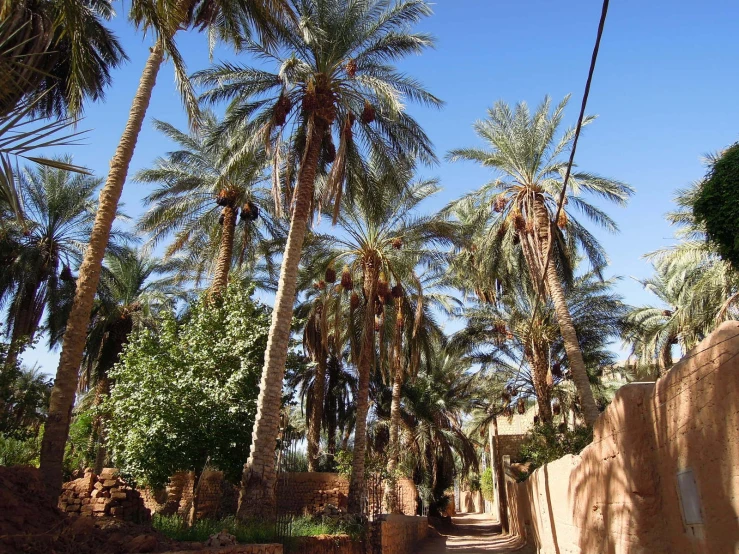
<point x="217" y="498"/>
<point x="400" y="534"/>
<point x="328" y="544"/>
<point x="304" y="493"/>
<point x="103" y="495"/>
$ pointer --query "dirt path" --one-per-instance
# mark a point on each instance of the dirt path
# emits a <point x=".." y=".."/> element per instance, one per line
<point x="474" y="533"/>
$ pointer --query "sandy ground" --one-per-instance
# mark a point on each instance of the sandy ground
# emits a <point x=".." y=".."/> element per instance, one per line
<point x="474" y="533"/>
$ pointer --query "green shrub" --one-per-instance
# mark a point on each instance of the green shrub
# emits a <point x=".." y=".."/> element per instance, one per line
<point x="473" y="481"/>
<point x="545" y="443"/>
<point x="487" y="485"/>
<point x="717" y="204"/>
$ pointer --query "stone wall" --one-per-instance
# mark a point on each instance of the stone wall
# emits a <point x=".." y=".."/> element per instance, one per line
<point x="656" y="442"/>
<point x="304" y="493"/>
<point x="400" y="534"/>
<point x="103" y="495"/>
<point x="217" y="497"/>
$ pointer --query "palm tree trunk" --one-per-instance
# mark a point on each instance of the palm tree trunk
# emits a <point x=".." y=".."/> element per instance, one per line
<point x="331" y="409"/>
<point x="391" y="493"/>
<point x="539" y="367"/>
<point x="67" y="375"/>
<point x="500" y="478"/>
<point x="257" y="496"/>
<point x="225" y="252"/>
<point x="364" y="368"/>
<point x="572" y="348"/>
<point x="564" y="319"/>
<point x="314" y="425"/>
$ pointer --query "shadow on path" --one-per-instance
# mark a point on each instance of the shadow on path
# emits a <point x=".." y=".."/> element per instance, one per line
<point x="473" y="533"/>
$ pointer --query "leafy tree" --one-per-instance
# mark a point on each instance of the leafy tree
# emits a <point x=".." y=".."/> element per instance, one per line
<point x="487" y="485"/>
<point x="716" y="205"/>
<point x="130" y="296"/>
<point x="546" y="443"/>
<point x="163" y="18"/>
<point x="185" y="396"/>
<point x="516" y="210"/>
<point x="332" y="76"/>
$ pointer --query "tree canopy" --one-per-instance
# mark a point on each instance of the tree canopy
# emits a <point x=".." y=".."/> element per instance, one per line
<point x="185" y="396"/>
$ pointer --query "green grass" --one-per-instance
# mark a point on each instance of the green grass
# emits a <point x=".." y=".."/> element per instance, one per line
<point x="176" y="528"/>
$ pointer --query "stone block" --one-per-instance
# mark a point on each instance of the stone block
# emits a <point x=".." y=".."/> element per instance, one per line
<point x="108" y="483"/>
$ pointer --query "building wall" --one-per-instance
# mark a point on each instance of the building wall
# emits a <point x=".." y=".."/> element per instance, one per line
<point x="621" y="494"/>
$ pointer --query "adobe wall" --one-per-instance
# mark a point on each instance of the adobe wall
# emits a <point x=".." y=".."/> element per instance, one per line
<point x="217" y="496"/>
<point x="302" y="493"/>
<point x="400" y="534"/>
<point x="621" y="494"/>
<point x="471" y="502"/>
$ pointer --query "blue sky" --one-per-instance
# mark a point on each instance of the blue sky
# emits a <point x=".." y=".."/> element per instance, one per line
<point x="665" y="91"/>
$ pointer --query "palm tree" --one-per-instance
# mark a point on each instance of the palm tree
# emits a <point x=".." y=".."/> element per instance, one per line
<point x="128" y="299"/>
<point x="332" y="69"/>
<point x="164" y="18"/>
<point x="381" y="241"/>
<point x="499" y="335"/>
<point x="432" y="415"/>
<point x="518" y="207"/>
<point x="199" y="199"/>
<point x="697" y="290"/>
<point x="59" y="208"/>
<point x="56" y="50"/>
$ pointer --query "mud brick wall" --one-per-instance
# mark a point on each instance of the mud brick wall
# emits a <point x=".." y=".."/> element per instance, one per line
<point x="662" y="473"/>
<point x="103" y="495"/>
<point x="303" y="493"/>
<point x="401" y="534"/>
<point x="217" y="497"/>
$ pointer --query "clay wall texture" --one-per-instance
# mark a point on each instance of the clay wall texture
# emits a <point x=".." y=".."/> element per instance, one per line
<point x="400" y="534"/>
<point x="103" y="495"/>
<point x="217" y="498"/>
<point x="303" y="493"/>
<point x="620" y="495"/>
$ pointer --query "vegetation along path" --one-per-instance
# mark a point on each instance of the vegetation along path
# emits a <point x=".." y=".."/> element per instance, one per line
<point x="473" y="533"/>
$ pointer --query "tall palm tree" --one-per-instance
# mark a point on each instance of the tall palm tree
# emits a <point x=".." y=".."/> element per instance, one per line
<point x="519" y="205"/>
<point x="163" y="18"/>
<point x="333" y="78"/>
<point x="58" y="50"/>
<point x="129" y="298"/>
<point x="59" y="209"/>
<point x="380" y="242"/>
<point x="198" y="201"/>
